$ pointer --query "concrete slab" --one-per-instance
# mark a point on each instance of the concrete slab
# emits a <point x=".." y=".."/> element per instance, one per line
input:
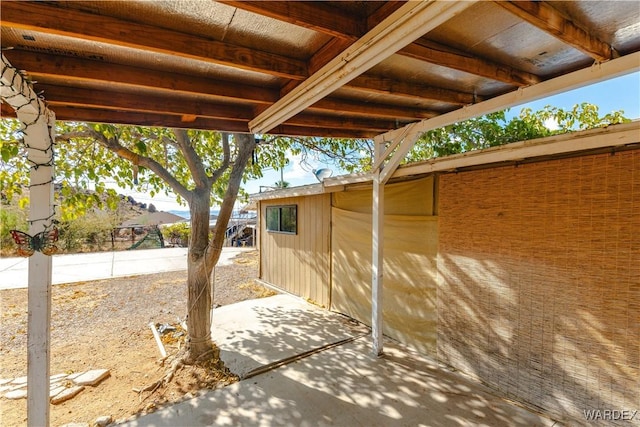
<point x="255" y="333"/>
<point x="104" y="265"/>
<point x="345" y="386"/>
<point x="342" y="385"/>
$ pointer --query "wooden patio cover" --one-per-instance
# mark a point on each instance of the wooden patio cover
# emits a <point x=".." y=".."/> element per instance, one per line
<point x="342" y="69"/>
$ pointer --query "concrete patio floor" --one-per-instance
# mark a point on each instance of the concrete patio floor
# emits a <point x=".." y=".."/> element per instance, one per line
<point x="341" y="384"/>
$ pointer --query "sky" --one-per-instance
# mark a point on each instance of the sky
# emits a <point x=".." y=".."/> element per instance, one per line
<point x="621" y="93"/>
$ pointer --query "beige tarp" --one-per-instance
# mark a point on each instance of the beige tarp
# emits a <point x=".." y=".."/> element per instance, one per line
<point x="410" y="249"/>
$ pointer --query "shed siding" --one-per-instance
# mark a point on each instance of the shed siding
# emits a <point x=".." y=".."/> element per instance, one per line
<point x="300" y="263"/>
<point x="410" y="245"/>
<point x="539" y="281"/>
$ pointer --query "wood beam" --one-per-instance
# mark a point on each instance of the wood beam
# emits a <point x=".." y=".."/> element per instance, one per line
<point x="381" y="13"/>
<point x="112" y="100"/>
<point x="388" y="86"/>
<point x="382" y="85"/>
<point x="302" y="14"/>
<point x="586" y="76"/>
<point x="190" y="110"/>
<point x="106" y="29"/>
<point x="334" y="121"/>
<point x="543" y="15"/>
<point x="408" y="23"/>
<point x="67" y="113"/>
<point x="446" y="57"/>
<point x="317" y="16"/>
<point x="405" y="144"/>
<point x="592" y="139"/>
<point x="49" y="69"/>
<point x="290" y="130"/>
<point x="92" y="115"/>
<point x="368" y="109"/>
<point x="43" y="67"/>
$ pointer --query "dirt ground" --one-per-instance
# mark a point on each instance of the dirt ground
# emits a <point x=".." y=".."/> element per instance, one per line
<point x="105" y="324"/>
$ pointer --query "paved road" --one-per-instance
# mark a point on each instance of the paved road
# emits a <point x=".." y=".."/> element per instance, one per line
<point x="103" y="265"/>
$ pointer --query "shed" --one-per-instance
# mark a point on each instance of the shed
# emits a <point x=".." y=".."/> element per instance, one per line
<point x="517" y="265"/>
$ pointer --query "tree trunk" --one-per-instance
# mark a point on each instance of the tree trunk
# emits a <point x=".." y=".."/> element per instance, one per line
<point x="199" y="270"/>
<point x="245" y="144"/>
<point x="204" y="254"/>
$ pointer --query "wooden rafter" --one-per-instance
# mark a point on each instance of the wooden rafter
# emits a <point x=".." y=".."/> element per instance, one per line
<point x="357" y="108"/>
<point x="83" y="114"/>
<point x="317" y="16"/>
<point x="296" y="127"/>
<point x="47" y="69"/>
<point x="432" y="53"/>
<point x="409" y="90"/>
<point x="188" y="109"/>
<point x="112" y="100"/>
<point x="43" y="68"/>
<point x="106" y="29"/>
<point x="446" y="57"/>
<point x="544" y="16"/>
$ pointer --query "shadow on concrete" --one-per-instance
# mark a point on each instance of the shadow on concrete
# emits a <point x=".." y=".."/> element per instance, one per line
<point x="342" y="385"/>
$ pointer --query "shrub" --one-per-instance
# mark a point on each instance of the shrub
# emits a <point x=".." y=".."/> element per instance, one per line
<point x="176" y="234"/>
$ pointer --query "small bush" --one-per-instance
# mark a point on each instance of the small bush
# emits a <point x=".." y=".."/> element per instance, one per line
<point x="176" y="234"/>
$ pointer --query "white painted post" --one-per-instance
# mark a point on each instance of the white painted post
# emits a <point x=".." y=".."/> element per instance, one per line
<point x="39" y="135"/>
<point x="377" y="282"/>
<point x="39" y="130"/>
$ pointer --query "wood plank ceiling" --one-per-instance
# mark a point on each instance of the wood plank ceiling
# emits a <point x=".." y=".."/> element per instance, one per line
<point x="218" y="65"/>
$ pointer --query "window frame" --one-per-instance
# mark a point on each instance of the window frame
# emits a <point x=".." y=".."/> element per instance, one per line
<point x="279" y="209"/>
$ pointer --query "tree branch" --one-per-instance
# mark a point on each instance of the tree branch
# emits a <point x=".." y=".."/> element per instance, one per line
<point x="123" y="152"/>
<point x="200" y="177"/>
<point x="245" y="144"/>
<point x="226" y="159"/>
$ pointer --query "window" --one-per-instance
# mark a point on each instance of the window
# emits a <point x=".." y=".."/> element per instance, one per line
<point x="282" y="219"/>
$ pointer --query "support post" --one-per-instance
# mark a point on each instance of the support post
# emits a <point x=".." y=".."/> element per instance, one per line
<point x="386" y="161"/>
<point x="38" y="125"/>
<point x="39" y="137"/>
<point x="377" y="276"/>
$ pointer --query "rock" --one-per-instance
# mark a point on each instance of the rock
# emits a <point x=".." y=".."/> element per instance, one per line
<point x="57" y="378"/>
<point x="18" y="386"/>
<point x="66" y="394"/>
<point x="92" y="377"/>
<point x="19" y="381"/>
<point x="74" y="375"/>
<point x="56" y="390"/>
<point x="20" y="393"/>
<point x="103" y="421"/>
<point x="5" y="381"/>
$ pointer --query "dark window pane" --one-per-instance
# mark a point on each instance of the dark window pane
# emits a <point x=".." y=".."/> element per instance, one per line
<point x="288" y="219"/>
<point x="273" y="218"/>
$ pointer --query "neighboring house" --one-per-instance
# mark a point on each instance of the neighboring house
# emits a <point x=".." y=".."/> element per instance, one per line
<point x="518" y="265"/>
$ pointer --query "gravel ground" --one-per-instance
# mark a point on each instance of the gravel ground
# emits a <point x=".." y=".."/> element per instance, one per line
<point x="104" y="324"/>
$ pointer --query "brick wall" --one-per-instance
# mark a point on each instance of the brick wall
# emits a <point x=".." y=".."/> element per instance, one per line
<point x="539" y="281"/>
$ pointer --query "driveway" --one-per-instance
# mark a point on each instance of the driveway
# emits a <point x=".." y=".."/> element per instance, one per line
<point x="305" y="366"/>
<point x="104" y="265"/>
